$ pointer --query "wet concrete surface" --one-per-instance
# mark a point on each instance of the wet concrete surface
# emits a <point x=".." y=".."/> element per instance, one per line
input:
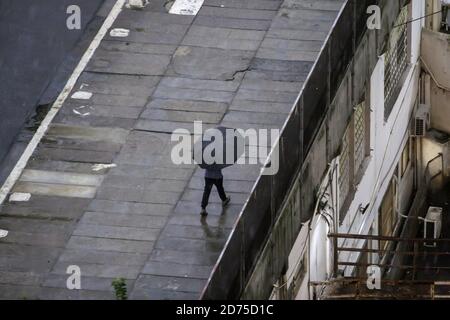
<point x="142" y="223"/>
<point x="37" y="54"/>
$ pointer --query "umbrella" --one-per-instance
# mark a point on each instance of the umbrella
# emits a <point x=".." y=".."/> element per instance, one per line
<point x="218" y="148"/>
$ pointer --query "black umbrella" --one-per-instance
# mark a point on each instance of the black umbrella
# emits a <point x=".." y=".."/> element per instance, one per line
<point x="218" y="148"/>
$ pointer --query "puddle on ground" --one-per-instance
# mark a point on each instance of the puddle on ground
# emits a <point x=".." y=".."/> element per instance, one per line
<point x="33" y="123"/>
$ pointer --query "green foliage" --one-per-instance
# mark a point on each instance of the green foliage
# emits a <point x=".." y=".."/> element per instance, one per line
<point x="120" y="288"/>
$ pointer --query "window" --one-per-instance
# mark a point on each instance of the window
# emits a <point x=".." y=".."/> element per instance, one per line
<point x="344" y="168"/>
<point x="360" y="135"/>
<point x="354" y="150"/>
<point x="388" y="213"/>
<point x="396" y="60"/>
<point x="406" y="158"/>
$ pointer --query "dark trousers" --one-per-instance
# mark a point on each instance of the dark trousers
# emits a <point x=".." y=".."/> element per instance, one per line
<point x="207" y="191"/>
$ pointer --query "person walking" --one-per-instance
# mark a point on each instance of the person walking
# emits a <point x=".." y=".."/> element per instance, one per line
<point x="213" y="177"/>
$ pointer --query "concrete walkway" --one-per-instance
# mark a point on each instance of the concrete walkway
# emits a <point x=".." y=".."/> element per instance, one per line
<point x="238" y="64"/>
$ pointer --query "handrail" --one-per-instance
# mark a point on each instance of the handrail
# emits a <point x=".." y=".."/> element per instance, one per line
<point x="423" y="289"/>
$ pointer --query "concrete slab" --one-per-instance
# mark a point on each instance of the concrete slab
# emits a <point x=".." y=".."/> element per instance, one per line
<point x="114" y="232"/>
<point x="108" y="244"/>
<point x="24" y="278"/>
<point x="55" y="177"/>
<point x="61" y="190"/>
<point x="100" y="270"/>
<point x="129" y="63"/>
<point x="115" y="206"/>
<point x="241" y="24"/>
<point x="138" y="47"/>
<point x="156" y="268"/>
<point x="246" y="4"/>
<point x="169" y="283"/>
<point x="182" y="116"/>
<point x="193" y="94"/>
<point x="209" y="63"/>
<point x="124" y="219"/>
<point x="202" y="231"/>
<point x="74" y="155"/>
<point x="145" y="172"/>
<point x="89" y="256"/>
<point x="86" y="133"/>
<point x="87" y="284"/>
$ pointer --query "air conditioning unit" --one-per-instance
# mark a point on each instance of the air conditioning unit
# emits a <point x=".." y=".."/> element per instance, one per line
<point x="432" y="226"/>
<point x="421" y="121"/>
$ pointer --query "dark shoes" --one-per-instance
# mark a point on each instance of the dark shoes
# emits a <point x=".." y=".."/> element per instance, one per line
<point x="226" y="202"/>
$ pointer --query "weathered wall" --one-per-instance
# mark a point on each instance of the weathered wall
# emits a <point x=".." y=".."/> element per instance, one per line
<point x="436" y="55"/>
<point x="354" y="85"/>
<point x="440" y="108"/>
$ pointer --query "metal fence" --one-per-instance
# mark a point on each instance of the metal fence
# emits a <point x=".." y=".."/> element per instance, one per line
<point x="356" y="288"/>
<point x="257" y="218"/>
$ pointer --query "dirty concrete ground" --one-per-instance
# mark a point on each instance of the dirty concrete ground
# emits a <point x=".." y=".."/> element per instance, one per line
<point x="241" y="65"/>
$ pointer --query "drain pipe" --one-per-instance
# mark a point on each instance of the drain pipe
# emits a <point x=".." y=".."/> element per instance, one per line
<point x="319" y="211"/>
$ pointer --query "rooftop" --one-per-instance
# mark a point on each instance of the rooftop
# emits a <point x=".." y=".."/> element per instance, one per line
<point x="237" y="64"/>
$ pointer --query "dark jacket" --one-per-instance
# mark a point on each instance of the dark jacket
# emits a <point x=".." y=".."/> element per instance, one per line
<point x="213" y="174"/>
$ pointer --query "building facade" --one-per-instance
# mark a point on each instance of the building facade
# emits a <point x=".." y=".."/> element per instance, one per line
<point x="377" y="150"/>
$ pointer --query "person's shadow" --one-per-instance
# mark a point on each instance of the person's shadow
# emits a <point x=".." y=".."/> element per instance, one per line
<point x="219" y="233"/>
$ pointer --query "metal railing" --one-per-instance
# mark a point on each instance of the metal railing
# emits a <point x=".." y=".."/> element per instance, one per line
<point x="384" y="252"/>
<point x="356" y="288"/>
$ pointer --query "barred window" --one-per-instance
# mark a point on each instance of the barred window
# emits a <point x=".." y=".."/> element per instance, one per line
<point x="396" y="60"/>
<point x="354" y="150"/>
<point x="344" y="168"/>
<point x="406" y="157"/>
<point x="360" y="135"/>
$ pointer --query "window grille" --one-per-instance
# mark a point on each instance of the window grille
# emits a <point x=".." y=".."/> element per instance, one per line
<point x="360" y="135"/>
<point x="344" y="169"/>
<point x="396" y="60"/>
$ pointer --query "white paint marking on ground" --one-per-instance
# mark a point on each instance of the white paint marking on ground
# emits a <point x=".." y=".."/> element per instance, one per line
<point x="20" y="165"/>
<point x="136" y="4"/>
<point x="20" y="197"/>
<point x="3" y="233"/>
<point x="186" y="7"/>
<point x="59" y="177"/>
<point x="102" y="166"/>
<point x="119" y="33"/>
<point x="57" y="190"/>
<point x="81" y="95"/>
<point x="82" y="111"/>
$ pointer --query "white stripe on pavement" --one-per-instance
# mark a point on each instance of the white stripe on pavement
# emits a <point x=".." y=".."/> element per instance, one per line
<point x="186" y="7"/>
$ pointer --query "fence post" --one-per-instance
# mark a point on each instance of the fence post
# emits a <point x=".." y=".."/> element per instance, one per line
<point x="432" y="291"/>
<point x="416" y="249"/>
<point x="336" y="256"/>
